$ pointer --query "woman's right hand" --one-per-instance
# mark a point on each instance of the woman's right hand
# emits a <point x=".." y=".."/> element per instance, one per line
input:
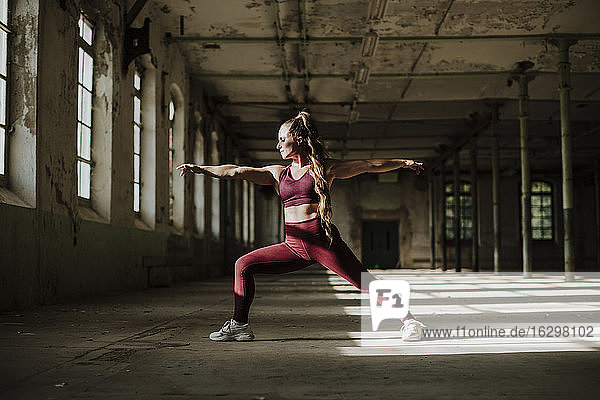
<point x="189" y="168"/>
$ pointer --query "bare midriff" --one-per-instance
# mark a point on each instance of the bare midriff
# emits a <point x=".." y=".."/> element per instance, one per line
<point x="301" y="212"/>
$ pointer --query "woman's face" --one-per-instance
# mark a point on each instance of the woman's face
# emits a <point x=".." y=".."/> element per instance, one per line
<point x="285" y="143"/>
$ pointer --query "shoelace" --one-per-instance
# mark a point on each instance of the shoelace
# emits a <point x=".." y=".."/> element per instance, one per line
<point x="226" y="327"/>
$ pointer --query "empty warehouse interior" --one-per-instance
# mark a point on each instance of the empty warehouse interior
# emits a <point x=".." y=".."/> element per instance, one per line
<point x="115" y="268"/>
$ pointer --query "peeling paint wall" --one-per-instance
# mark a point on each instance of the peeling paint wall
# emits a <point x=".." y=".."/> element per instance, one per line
<point x="58" y="248"/>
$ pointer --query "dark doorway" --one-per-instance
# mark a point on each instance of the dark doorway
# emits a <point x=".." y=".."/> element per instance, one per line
<point x="380" y="244"/>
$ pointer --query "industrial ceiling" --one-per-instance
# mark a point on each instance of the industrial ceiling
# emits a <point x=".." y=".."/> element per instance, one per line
<point x="384" y="78"/>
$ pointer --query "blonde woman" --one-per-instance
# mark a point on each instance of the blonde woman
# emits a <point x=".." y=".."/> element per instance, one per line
<point x="310" y="236"/>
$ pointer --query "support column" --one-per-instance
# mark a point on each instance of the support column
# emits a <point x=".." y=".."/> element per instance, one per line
<point x="597" y="202"/>
<point x="431" y="219"/>
<point x="457" y="227"/>
<point x="564" y="87"/>
<point x="474" y="208"/>
<point x="443" y="218"/>
<point x="523" y="80"/>
<point x="496" y="188"/>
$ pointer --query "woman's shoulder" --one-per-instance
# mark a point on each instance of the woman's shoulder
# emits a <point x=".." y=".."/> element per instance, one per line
<point x="329" y="163"/>
<point x="281" y="169"/>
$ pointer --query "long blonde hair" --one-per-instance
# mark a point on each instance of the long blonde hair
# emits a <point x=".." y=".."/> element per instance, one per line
<point x="304" y="131"/>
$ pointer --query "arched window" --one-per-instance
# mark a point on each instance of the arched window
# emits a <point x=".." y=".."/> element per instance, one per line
<point x="171" y="158"/>
<point x="466" y="209"/>
<point x="144" y="141"/>
<point x="84" y="106"/>
<point x="137" y="135"/>
<point x="199" y="179"/>
<point x="4" y="31"/>
<point x="541" y="211"/>
<point x="176" y="126"/>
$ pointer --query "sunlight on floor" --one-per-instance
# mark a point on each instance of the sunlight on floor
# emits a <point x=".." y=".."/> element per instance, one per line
<point x="485" y="302"/>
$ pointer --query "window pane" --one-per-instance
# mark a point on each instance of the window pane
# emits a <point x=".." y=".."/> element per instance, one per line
<point x="83" y="170"/>
<point x="171" y="111"/>
<point x="86" y="137"/>
<point x="546" y="200"/>
<point x="81" y="66"/>
<point x="4" y="11"/>
<point x="79" y="139"/>
<point x="3" y="52"/>
<point x="2" y="152"/>
<point x="136" y="139"/>
<point x="137" y="110"/>
<point x="87" y="32"/>
<point x="136" y="197"/>
<point x="136" y="168"/>
<point x="137" y="81"/>
<point x="88" y="70"/>
<point x="2" y="102"/>
<point x="544" y="187"/>
<point x="80" y="24"/>
<point x="86" y="106"/>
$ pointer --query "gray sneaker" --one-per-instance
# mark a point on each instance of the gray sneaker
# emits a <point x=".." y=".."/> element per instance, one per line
<point x="232" y="330"/>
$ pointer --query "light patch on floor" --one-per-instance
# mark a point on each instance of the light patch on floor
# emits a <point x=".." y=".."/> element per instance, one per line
<point x="435" y="293"/>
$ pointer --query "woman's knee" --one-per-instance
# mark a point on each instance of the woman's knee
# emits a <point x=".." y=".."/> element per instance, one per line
<point x="241" y="264"/>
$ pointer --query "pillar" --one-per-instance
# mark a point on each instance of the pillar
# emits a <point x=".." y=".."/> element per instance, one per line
<point x="523" y="80"/>
<point x="474" y="208"/>
<point x="597" y="203"/>
<point x="496" y="188"/>
<point x="564" y="87"/>
<point x="431" y="220"/>
<point x="443" y="217"/>
<point x="457" y="254"/>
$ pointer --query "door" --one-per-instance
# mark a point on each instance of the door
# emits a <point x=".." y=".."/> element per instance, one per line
<point x="380" y="244"/>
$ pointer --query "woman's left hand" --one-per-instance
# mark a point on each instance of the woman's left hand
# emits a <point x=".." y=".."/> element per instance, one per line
<point x="415" y="166"/>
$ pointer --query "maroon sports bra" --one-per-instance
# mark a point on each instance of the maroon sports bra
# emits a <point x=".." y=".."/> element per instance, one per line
<point x="297" y="191"/>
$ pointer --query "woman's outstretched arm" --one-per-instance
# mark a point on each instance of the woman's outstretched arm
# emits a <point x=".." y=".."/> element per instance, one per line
<point x="260" y="176"/>
<point x="343" y="169"/>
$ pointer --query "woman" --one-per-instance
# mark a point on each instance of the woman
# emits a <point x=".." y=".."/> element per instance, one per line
<point x="310" y="236"/>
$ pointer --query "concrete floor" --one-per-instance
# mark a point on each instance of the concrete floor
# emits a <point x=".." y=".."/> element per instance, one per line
<point x="154" y="344"/>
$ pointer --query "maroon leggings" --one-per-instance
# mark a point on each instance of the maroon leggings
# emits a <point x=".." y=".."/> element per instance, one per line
<point x="305" y="244"/>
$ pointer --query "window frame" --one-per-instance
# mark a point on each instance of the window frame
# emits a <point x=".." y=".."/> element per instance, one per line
<point x="542" y="195"/>
<point x="89" y="49"/>
<point x="449" y="220"/>
<point x="139" y="70"/>
<point x="9" y="36"/>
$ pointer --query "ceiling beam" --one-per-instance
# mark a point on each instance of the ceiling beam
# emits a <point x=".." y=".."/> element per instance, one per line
<point x="389" y="39"/>
<point x="135" y="10"/>
<point x="408" y="75"/>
